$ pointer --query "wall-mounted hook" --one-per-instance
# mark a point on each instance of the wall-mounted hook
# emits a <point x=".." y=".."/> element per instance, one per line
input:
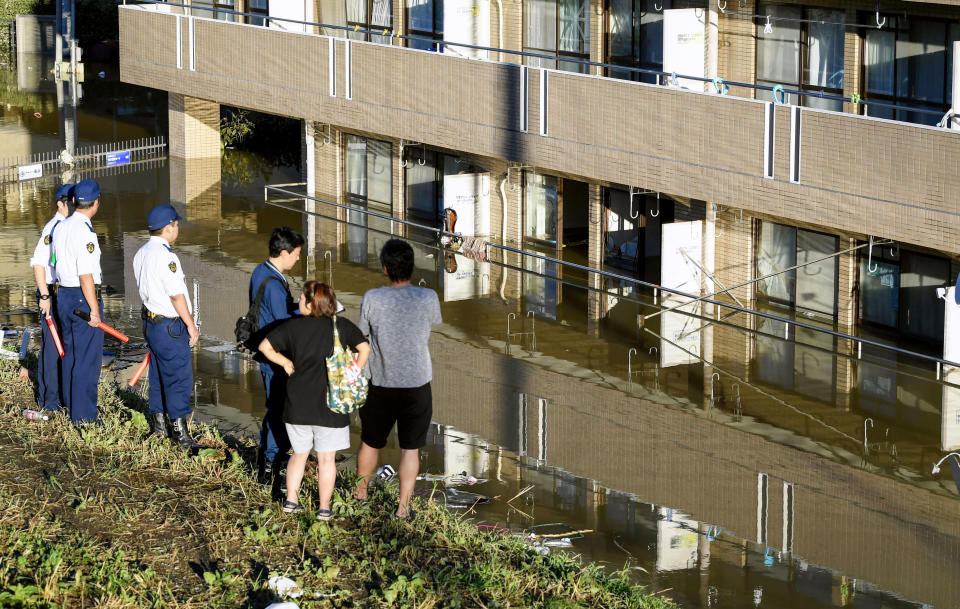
<point x="713" y="379"/>
<point x="738" y="217"/>
<point x="403" y="159"/>
<point x="325" y="137"/>
<point x="657" y="8"/>
<point x="871" y="267"/>
<point x="511" y="170"/>
<point x="722" y="6"/>
<point x="422" y="283"/>
<point x="423" y="155"/>
<point x="880" y="24"/>
<point x="634" y="214"/>
<point x="654" y="214"/>
<point x="866" y="446"/>
<point x="895" y="252"/>
<point x="630" y="354"/>
<point x="506" y="347"/>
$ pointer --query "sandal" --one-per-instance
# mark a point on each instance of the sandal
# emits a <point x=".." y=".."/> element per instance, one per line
<point x="324" y="514"/>
<point x="290" y="507"/>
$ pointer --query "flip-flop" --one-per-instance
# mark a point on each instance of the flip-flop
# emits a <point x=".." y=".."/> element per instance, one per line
<point x="290" y="507"/>
<point x="324" y="514"/>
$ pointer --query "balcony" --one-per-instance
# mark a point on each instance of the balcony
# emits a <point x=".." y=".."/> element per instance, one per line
<point x="857" y="174"/>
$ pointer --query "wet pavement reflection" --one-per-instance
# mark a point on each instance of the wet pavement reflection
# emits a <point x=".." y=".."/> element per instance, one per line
<point x="728" y="463"/>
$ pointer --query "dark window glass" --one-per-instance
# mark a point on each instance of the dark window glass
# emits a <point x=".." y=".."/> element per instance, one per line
<point x="635" y="37"/>
<point x="559" y="28"/>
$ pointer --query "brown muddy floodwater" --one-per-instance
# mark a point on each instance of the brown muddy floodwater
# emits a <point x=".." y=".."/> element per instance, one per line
<point x="783" y="471"/>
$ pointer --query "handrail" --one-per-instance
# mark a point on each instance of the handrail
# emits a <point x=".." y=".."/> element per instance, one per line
<point x="668" y="76"/>
<point x="441" y="233"/>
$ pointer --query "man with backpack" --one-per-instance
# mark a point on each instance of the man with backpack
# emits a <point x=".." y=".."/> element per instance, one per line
<point x="269" y="285"/>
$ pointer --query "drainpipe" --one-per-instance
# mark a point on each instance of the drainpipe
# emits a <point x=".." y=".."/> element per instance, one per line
<point x="503" y="227"/>
<point x="500" y="39"/>
<point x="955" y="123"/>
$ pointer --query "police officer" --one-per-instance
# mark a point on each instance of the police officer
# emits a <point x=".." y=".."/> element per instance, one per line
<point x="48" y="365"/>
<point x="77" y="252"/>
<point x="168" y="325"/>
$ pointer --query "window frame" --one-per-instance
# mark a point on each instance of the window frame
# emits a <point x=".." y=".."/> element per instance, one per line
<point x="894" y="25"/>
<point x="800" y="85"/>
<point x="365" y="200"/>
<point x="437" y="32"/>
<point x="557" y="54"/>
<point x="265" y="12"/>
<point x="635" y="43"/>
<point x="367" y="24"/>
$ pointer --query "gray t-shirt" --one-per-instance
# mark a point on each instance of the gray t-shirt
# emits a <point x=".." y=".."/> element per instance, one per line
<point x="397" y="322"/>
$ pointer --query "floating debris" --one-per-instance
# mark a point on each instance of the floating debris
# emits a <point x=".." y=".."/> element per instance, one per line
<point x="284" y="586"/>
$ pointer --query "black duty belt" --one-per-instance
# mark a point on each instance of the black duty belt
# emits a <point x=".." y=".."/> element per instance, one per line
<point x="150" y="317"/>
<point x="97" y="289"/>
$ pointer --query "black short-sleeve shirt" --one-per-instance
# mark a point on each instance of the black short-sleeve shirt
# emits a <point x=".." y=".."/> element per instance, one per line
<point x="308" y="342"/>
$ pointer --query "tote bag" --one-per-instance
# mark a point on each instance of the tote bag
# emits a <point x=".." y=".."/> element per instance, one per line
<point x="347" y="387"/>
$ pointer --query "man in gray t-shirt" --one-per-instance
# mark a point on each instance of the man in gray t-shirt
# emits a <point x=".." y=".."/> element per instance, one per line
<point x="396" y="321"/>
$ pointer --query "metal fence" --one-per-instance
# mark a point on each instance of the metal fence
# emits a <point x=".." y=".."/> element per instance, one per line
<point x="86" y="159"/>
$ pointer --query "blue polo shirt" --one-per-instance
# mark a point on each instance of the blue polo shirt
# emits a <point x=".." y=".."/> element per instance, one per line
<point x="277" y="304"/>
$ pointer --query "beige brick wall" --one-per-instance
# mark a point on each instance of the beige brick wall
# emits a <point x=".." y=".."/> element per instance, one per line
<point x="700" y="146"/>
<point x="194" y="127"/>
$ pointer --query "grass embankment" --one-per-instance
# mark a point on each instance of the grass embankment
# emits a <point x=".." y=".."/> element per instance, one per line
<point x="101" y="517"/>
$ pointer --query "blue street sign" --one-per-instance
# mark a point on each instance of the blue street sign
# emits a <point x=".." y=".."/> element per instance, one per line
<point x="118" y="158"/>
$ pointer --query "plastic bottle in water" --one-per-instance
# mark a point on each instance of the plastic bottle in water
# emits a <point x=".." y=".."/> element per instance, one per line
<point x="34" y="415"/>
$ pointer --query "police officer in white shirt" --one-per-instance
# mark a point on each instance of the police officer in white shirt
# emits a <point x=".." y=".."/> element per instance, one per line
<point x="168" y="325"/>
<point x="48" y="364"/>
<point x="77" y="252"/>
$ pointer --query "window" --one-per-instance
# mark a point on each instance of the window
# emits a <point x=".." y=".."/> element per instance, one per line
<point x="909" y="62"/>
<point x="540" y="207"/>
<point x="370" y="15"/>
<point x="215" y="14"/>
<point x="424" y="18"/>
<point x="369" y="184"/>
<point x="899" y="291"/>
<point x="813" y="286"/>
<point x="258" y="7"/>
<point x="557" y="27"/>
<point x="805" y="56"/>
<point x="635" y="37"/>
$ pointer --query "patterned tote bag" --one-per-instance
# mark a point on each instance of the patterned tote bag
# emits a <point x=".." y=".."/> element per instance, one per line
<point x="347" y="387"/>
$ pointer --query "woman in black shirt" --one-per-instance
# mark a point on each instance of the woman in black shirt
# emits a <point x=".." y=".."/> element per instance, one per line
<point x="301" y="346"/>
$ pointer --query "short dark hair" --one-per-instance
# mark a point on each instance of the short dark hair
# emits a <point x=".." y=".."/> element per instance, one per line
<point x="283" y="239"/>
<point x="396" y="257"/>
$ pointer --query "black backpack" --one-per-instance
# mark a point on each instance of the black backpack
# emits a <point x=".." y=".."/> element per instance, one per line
<point x="248" y="326"/>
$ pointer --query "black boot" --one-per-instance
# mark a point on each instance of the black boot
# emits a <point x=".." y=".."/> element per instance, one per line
<point x="158" y="425"/>
<point x="180" y="435"/>
<point x="265" y="475"/>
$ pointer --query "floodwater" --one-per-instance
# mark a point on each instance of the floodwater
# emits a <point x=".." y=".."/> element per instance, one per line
<point x="744" y="464"/>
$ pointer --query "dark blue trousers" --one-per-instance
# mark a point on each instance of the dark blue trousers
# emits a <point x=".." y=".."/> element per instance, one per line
<point x="82" y="358"/>
<point x="274" y="442"/>
<point x="171" y="367"/>
<point x="48" y="364"/>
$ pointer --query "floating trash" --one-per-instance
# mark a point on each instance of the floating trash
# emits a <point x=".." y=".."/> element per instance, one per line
<point x="284" y="586"/>
<point x="37" y="114"/>
<point x="286" y="605"/>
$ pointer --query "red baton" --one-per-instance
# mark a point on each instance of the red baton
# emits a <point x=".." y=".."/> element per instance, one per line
<point x="56" y="335"/>
<point x="120" y="336"/>
<point x="143" y="368"/>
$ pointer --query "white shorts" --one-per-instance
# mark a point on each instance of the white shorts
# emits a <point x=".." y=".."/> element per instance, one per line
<point x="320" y="439"/>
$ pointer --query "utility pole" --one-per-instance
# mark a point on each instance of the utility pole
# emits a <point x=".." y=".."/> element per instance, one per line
<point x="67" y="74"/>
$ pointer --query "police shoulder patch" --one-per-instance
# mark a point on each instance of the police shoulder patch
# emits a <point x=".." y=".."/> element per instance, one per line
<point x="173" y="267"/>
<point x="46" y="240"/>
<point x="91" y="247"/>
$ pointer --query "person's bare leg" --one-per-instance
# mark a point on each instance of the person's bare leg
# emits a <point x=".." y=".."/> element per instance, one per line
<point x="295" y="475"/>
<point x="408" y="470"/>
<point x="367" y="458"/>
<point x="326" y="477"/>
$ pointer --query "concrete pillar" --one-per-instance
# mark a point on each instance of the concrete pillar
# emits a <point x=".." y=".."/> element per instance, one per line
<point x="712" y="42"/>
<point x="309" y="173"/>
<point x="194" y="156"/>
<point x="595" y="215"/>
<point x="737" y="53"/>
<point x="852" y="61"/>
<point x="597" y="37"/>
<point x="955" y="123"/>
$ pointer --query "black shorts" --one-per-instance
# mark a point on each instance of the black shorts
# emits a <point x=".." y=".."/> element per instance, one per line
<point x="411" y="408"/>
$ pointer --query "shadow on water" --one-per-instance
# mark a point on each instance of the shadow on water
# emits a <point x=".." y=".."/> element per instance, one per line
<point x="767" y="494"/>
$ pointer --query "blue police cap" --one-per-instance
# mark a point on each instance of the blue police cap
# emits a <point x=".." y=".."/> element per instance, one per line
<point x="161" y="215"/>
<point x="86" y="191"/>
<point x="64" y="191"/>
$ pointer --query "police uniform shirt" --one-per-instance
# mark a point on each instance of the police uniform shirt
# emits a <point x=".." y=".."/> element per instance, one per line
<point x="78" y="251"/>
<point x="159" y="276"/>
<point x="43" y="253"/>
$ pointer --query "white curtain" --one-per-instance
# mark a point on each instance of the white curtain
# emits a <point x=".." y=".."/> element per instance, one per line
<point x="817" y="282"/>
<point x="778" y="54"/>
<point x="540" y="24"/>
<point x="379" y="172"/>
<point x="778" y="251"/>
<point x="357" y="165"/>
<point x="825" y="49"/>
<point x="921" y="60"/>
<point x="333" y="12"/>
<point x="878" y="59"/>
